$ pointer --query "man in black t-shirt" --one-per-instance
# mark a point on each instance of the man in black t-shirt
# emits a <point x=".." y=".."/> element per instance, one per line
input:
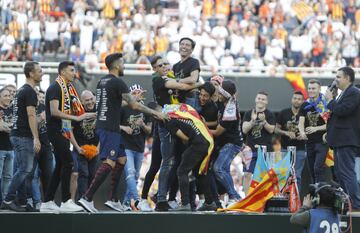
<point x="287" y="125"/>
<point x="44" y="162"/>
<point x="163" y="88"/>
<point x="6" y="149"/>
<point x="312" y="126"/>
<point x="259" y="126"/>
<point x="134" y="128"/>
<point x="24" y="134"/>
<point x="197" y="145"/>
<point x="209" y="110"/>
<point x="60" y="111"/>
<point x="110" y="92"/>
<point x="84" y="133"/>
<point x="187" y="70"/>
<point x="229" y="138"/>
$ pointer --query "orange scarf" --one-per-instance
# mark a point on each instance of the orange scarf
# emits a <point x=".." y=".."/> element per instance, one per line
<point x="70" y="104"/>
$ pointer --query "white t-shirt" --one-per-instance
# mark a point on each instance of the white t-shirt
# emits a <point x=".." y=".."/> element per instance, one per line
<point x="249" y="45"/>
<point x="34" y="30"/>
<point x="7" y="42"/>
<point x="295" y="43"/>
<point x="51" y="31"/>
<point x="237" y="42"/>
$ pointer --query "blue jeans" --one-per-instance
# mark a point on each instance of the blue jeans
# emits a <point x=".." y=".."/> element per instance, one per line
<point x="35" y="185"/>
<point x="87" y="170"/>
<point x="168" y="161"/>
<point x="35" y="43"/>
<point x="44" y="165"/>
<point x="194" y="102"/>
<point x="357" y="169"/>
<point x="222" y="168"/>
<point x="6" y="17"/>
<point x="6" y="171"/>
<point x="132" y="170"/>
<point x="24" y="158"/>
<point x="344" y="158"/>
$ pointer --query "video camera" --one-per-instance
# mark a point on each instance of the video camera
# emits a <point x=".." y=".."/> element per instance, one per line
<point x="330" y="195"/>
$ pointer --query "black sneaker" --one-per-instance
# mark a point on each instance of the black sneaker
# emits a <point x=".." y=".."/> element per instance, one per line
<point x="162" y="206"/>
<point x="181" y="208"/>
<point x="208" y="207"/>
<point x="30" y="208"/>
<point x="154" y="198"/>
<point x="12" y="206"/>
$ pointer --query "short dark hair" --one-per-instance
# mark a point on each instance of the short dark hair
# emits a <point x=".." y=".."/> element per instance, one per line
<point x="312" y="81"/>
<point x="208" y="87"/>
<point x="29" y="67"/>
<point x="229" y="86"/>
<point x="111" y="58"/>
<point x="298" y="93"/>
<point x="348" y="71"/>
<point x="154" y="60"/>
<point x="189" y="39"/>
<point x="262" y="93"/>
<point x="65" y="64"/>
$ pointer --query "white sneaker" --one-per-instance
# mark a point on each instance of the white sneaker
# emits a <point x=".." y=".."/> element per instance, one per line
<point x="173" y="204"/>
<point x="201" y="202"/>
<point x="70" y="206"/>
<point x="223" y="204"/>
<point x="231" y="202"/>
<point x="144" y="206"/>
<point x="49" y="206"/>
<point x="88" y="205"/>
<point x="242" y="194"/>
<point x="115" y="205"/>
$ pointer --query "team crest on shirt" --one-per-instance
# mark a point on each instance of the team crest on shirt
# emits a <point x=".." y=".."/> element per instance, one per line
<point x="313" y="118"/>
<point x="112" y="153"/>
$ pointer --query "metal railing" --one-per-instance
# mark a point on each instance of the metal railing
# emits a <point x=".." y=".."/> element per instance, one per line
<point x="206" y="70"/>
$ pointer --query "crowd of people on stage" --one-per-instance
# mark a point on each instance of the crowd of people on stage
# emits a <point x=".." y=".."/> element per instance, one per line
<point x="197" y="133"/>
<point x="256" y="34"/>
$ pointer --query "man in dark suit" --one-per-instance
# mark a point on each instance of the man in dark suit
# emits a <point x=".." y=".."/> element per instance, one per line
<point x="343" y="132"/>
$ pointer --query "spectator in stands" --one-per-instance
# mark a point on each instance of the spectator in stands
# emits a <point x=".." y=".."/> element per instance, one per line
<point x="7" y="42"/>
<point x="333" y="24"/>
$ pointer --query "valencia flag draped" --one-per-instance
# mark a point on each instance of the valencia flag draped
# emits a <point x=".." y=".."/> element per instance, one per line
<point x="260" y="170"/>
<point x="297" y="82"/>
<point x="272" y="182"/>
<point x="185" y="111"/>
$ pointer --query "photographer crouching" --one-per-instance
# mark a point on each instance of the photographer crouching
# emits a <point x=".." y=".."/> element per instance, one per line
<point x="321" y="208"/>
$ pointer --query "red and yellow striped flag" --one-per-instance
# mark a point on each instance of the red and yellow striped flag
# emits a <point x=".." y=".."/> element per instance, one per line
<point x="297" y="82"/>
<point x="185" y="111"/>
<point x="329" y="162"/>
<point x="256" y="200"/>
<point x="302" y="10"/>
